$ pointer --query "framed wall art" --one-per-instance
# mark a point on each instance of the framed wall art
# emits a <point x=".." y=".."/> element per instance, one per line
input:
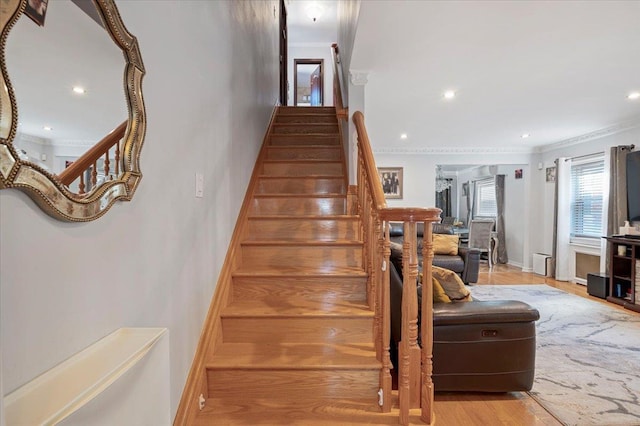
<point x="391" y="180"/>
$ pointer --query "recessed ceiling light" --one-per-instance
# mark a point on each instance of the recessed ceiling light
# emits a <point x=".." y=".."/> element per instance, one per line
<point x="525" y="135"/>
<point x="449" y="94"/>
<point x="634" y="95"/>
<point x="79" y="90"/>
<point x="48" y="128"/>
<point x="403" y="136"/>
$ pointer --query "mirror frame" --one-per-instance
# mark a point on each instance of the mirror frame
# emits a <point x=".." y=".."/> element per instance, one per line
<point x="43" y="186"/>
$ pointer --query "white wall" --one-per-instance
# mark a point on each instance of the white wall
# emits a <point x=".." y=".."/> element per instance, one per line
<point x="211" y="84"/>
<point x="541" y="233"/>
<point x="419" y="189"/>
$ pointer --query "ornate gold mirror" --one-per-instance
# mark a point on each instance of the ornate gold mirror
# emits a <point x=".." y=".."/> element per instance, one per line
<point x="70" y="137"/>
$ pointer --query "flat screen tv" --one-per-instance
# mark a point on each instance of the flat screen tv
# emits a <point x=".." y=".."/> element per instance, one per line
<point x="633" y="186"/>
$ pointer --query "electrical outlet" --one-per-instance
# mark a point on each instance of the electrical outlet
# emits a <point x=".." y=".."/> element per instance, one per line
<point x="199" y="185"/>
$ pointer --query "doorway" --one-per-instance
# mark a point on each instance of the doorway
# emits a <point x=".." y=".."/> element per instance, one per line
<point x="308" y="76"/>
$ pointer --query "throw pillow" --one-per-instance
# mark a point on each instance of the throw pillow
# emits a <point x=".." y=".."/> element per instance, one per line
<point x="452" y="284"/>
<point x="439" y="295"/>
<point x="445" y="244"/>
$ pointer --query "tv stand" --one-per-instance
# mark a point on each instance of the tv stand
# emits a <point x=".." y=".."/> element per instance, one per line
<point x="624" y="274"/>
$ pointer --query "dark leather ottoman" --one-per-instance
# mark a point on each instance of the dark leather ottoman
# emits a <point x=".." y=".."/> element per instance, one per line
<point x="484" y="346"/>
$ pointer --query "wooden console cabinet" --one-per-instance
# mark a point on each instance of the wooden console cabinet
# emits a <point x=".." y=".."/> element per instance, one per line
<point x="624" y="273"/>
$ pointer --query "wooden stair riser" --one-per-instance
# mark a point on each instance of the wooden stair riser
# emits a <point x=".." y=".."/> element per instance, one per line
<point x="292" y="110"/>
<point x="304" y="140"/>
<point x="329" y="288"/>
<point x="307" y="118"/>
<point x="314" y="257"/>
<point x="303" y="229"/>
<point x="263" y="329"/>
<point x="292" y="384"/>
<point x="304" y="185"/>
<point x="267" y="412"/>
<point x="300" y="205"/>
<point x="311" y="168"/>
<point x="304" y="153"/>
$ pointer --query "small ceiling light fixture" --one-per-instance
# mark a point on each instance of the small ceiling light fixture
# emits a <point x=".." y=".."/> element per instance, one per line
<point x="314" y="11"/>
<point x="633" y="96"/>
<point x="79" y="90"/>
<point x="403" y="136"/>
<point x="449" y="94"/>
<point x="48" y="128"/>
<point x="525" y="135"/>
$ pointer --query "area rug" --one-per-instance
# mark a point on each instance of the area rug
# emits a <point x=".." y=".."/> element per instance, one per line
<point x="587" y="359"/>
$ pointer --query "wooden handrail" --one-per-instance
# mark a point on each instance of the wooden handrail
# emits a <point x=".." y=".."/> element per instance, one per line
<point x="364" y="146"/>
<point x="415" y="386"/>
<point x="89" y="158"/>
<point x="338" y="85"/>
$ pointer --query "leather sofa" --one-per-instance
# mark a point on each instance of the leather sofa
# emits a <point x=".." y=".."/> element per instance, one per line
<point x="478" y="346"/>
<point x="466" y="263"/>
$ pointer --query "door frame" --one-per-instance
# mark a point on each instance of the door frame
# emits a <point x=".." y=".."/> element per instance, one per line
<point x="319" y="62"/>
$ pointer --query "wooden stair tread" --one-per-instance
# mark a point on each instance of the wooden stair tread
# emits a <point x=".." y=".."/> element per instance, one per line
<point x="296" y="308"/>
<point x="307" y="176"/>
<point x="311" y="195"/>
<point x="305" y="217"/>
<point x="287" y="242"/>
<point x="292" y="271"/>
<point x="294" y="356"/>
<point x="235" y="410"/>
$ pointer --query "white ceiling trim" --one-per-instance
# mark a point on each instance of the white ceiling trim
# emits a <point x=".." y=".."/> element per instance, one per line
<point x="313" y="44"/>
<point x="608" y="131"/>
<point x="454" y="150"/>
<point x="359" y="78"/>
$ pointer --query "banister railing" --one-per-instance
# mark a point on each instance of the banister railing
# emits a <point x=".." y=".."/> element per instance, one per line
<point x="89" y="161"/>
<point x="339" y="95"/>
<point x="415" y="386"/>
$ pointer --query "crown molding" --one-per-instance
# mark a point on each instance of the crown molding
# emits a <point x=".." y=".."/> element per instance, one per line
<point x="24" y="137"/>
<point x="454" y="150"/>
<point x="312" y="44"/>
<point x="73" y="142"/>
<point x="359" y="78"/>
<point x="607" y="131"/>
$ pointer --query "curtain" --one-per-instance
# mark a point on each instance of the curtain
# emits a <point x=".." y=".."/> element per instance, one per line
<point x="502" y="247"/>
<point x="617" y="212"/>
<point x="467" y="193"/>
<point x="562" y="231"/>
<point x="618" y="188"/>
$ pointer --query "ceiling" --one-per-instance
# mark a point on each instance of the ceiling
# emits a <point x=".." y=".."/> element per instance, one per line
<point x="553" y="70"/>
<point x="303" y="30"/>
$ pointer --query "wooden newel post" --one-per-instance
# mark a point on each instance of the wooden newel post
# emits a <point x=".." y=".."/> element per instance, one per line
<point x="415" y="386"/>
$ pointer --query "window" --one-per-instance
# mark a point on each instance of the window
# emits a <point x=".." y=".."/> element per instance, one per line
<point x="587" y="188"/>
<point x="486" y="198"/>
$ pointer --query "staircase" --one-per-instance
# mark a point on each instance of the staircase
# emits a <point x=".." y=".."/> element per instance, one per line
<point x="297" y="342"/>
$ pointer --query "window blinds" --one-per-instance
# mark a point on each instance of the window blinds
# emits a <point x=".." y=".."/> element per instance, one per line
<point x="587" y="187"/>
<point x="486" y="198"/>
